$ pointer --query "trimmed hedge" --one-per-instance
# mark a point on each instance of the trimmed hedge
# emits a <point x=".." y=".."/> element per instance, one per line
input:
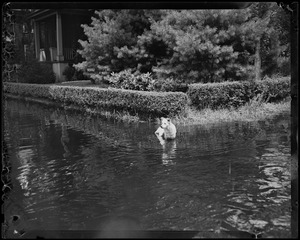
<point x="155" y="104"/>
<point x="235" y="94"/>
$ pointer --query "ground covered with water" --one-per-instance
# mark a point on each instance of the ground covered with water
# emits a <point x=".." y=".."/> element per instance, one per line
<point x="74" y="171"/>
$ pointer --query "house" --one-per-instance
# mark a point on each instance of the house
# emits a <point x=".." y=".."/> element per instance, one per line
<point x="56" y="35"/>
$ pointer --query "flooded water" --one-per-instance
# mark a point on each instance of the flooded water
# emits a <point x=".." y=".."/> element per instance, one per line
<point x="74" y="171"/>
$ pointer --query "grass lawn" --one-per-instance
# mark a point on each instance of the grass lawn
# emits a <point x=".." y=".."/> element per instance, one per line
<point x="83" y="83"/>
<point x="249" y="112"/>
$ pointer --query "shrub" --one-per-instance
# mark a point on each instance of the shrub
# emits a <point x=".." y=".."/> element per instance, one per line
<point x="98" y="75"/>
<point x="123" y="79"/>
<point x="126" y="80"/>
<point x="274" y="90"/>
<point x="69" y="73"/>
<point x="72" y="74"/>
<point x="36" y="72"/>
<point x="235" y="94"/>
<point x="152" y="104"/>
<point x="215" y="95"/>
<point x="170" y="85"/>
<point x="79" y="75"/>
<point x="144" y="82"/>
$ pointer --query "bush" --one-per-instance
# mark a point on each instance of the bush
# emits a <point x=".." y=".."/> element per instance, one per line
<point x="79" y="75"/>
<point x="126" y="80"/>
<point x="274" y="90"/>
<point x="99" y="74"/>
<point x="153" y="104"/>
<point x="36" y="72"/>
<point x="72" y="74"/>
<point x="69" y="73"/>
<point x="144" y="82"/>
<point x="235" y="94"/>
<point x="170" y="85"/>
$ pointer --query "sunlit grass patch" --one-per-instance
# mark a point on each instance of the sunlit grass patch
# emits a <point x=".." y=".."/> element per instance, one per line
<point x="249" y="112"/>
<point x="83" y="83"/>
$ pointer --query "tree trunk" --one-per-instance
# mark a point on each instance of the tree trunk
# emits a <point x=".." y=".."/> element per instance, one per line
<point x="257" y="60"/>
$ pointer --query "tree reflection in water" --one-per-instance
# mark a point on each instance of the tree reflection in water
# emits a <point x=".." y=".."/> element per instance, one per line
<point x="78" y="171"/>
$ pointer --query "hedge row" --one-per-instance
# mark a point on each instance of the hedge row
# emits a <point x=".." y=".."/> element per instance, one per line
<point x="149" y="103"/>
<point x="235" y="94"/>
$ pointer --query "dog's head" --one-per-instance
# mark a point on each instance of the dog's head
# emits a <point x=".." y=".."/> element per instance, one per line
<point x="165" y="122"/>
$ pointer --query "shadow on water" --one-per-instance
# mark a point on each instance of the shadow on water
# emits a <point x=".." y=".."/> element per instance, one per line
<point x="74" y="171"/>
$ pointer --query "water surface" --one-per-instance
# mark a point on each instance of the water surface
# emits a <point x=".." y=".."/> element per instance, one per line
<point x="74" y="171"/>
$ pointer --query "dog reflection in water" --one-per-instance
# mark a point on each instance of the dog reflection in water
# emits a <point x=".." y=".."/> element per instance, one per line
<point x="166" y="134"/>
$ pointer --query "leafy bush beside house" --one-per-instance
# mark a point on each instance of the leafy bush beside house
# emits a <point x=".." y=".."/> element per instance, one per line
<point x="126" y="80"/>
<point x="35" y="72"/>
<point x="145" y="82"/>
<point x="69" y="73"/>
<point x="72" y="74"/>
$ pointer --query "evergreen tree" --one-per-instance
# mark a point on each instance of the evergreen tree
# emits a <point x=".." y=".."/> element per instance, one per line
<point x="202" y="45"/>
<point x="189" y="45"/>
<point x="112" y="39"/>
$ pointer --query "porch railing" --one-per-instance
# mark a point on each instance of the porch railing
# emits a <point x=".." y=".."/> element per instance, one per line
<point x="69" y="54"/>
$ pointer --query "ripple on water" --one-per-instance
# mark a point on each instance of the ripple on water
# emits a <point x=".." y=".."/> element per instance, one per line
<point x="73" y="168"/>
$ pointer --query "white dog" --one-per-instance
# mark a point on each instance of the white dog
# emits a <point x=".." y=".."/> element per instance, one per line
<point x="167" y="129"/>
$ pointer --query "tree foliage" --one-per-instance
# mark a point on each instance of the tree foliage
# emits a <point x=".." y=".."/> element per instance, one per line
<point x="112" y="38"/>
<point x="203" y="45"/>
<point x="270" y="27"/>
<point x="189" y="45"/>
